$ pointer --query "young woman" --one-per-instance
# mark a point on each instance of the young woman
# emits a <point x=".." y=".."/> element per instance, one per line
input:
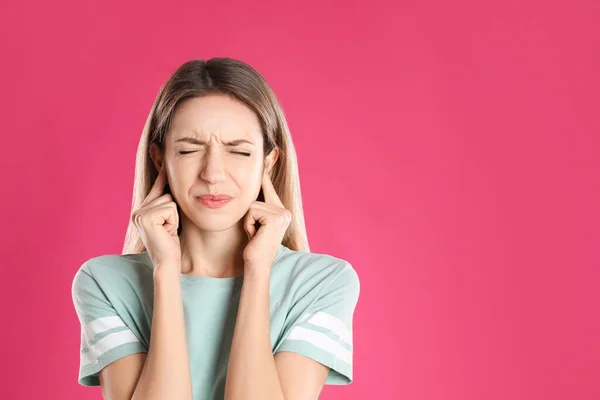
<point x="216" y="294"/>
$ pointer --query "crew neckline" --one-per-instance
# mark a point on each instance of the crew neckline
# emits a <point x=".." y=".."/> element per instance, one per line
<point x="214" y="282"/>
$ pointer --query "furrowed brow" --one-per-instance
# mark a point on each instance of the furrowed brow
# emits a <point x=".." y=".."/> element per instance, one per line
<point x="193" y="140"/>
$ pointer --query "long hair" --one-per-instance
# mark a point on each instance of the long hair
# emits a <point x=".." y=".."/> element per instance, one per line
<point x="223" y="75"/>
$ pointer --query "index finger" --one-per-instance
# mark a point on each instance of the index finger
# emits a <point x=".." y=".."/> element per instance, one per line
<point x="269" y="191"/>
<point x="158" y="187"/>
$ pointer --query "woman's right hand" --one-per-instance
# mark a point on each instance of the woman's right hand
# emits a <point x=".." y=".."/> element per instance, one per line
<point x="157" y="221"/>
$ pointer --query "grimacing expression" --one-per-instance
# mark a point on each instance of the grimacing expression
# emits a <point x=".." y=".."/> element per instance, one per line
<point x="214" y="146"/>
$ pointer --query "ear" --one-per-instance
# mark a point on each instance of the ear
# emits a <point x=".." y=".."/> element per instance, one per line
<point x="271" y="159"/>
<point x="156" y="156"/>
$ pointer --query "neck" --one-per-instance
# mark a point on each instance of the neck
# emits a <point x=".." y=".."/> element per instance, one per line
<point x="217" y="254"/>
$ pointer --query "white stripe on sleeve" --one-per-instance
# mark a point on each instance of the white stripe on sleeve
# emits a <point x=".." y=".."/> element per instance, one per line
<point x="107" y="343"/>
<point x="101" y="325"/>
<point x="321" y="341"/>
<point x="331" y="323"/>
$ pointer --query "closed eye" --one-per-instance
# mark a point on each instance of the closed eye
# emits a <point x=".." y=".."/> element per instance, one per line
<point x="234" y="152"/>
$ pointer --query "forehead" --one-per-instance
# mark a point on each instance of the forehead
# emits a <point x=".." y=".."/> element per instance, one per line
<point x="215" y="114"/>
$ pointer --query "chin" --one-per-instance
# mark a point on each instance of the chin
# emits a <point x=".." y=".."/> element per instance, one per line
<point x="215" y="223"/>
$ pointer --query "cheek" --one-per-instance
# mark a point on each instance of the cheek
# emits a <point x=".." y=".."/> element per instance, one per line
<point x="249" y="174"/>
<point x="249" y="183"/>
<point x="181" y="178"/>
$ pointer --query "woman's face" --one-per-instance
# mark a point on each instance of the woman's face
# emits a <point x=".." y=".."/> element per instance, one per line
<point x="214" y="146"/>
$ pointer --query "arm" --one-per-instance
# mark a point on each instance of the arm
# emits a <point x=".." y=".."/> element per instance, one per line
<point x="118" y="379"/>
<point x="160" y="373"/>
<point x="166" y="372"/>
<point x="253" y="372"/>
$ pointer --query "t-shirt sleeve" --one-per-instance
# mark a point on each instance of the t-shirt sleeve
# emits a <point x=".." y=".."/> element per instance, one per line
<point x="324" y="330"/>
<point x="104" y="335"/>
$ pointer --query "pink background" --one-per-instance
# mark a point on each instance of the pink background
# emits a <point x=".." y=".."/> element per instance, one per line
<point x="448" y="150"/>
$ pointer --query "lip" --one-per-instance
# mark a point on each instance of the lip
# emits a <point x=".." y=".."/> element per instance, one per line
<point x="208" y="200"/>
<point x="214" y="197"/>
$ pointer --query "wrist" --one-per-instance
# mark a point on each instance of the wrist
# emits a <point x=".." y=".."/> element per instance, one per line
<point x="253" y="271"/>
<point x="167" y="271"/>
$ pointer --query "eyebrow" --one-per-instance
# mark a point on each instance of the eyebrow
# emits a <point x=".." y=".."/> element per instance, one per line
<point x="193" y="140"/>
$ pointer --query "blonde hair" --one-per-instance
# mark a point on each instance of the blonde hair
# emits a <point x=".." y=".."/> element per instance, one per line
<point x="196" y="78"/>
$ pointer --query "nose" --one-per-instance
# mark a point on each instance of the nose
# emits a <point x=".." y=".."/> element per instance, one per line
<point x="213" y="170"/>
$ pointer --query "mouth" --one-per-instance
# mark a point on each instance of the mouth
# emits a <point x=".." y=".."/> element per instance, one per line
<point x="214" y="203"/>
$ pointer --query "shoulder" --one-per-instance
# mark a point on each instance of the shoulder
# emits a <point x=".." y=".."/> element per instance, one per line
<point x="112" y="271"/>
<point x="310" y="270"/>
<point x="119" y="264"/>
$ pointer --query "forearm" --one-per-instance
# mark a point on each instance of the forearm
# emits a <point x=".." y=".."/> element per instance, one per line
<point x="166" y="373"/>
<point x="251" y="372"/>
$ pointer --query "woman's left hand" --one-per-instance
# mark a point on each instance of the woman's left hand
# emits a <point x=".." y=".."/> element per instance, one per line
<point x="274" y="219"/>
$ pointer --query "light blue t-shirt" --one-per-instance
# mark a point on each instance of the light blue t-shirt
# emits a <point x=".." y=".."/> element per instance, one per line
<point x="313" y="297"/>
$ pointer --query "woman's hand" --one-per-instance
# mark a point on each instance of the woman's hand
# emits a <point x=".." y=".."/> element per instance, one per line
<point x="157" y="221"/>
<point x="274" y="219"/>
